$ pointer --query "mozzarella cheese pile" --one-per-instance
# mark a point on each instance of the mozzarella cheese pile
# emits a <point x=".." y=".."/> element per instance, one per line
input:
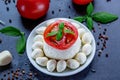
<point x="60" y="65"/>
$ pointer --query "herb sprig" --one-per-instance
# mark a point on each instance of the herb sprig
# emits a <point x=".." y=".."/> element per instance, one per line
<point x="12" y="31"/>
<point x="101" y="17"/>
<point x="59" y="33"/>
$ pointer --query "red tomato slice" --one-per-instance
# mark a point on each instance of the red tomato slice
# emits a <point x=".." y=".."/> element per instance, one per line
<point x="67" y="39"/>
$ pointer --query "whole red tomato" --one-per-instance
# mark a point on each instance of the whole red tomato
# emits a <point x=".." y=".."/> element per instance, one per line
<point x="32" y="9"/>
<point x="82" y="2"/>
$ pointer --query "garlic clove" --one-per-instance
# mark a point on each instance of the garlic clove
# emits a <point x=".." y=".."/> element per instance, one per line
<point x="5" y="58"/>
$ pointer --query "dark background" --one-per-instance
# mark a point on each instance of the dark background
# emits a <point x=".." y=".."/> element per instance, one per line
<point x="103" y="67"/>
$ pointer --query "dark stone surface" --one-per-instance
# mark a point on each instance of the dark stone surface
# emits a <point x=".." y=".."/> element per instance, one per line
<point x="101" y="68"/>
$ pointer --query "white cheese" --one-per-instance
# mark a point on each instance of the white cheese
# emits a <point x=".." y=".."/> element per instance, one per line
<point x="61" y="66"/>
<point x="51" y="65"/>
<point x="42" y="61"/>
<point x="38" y="38"/>
<point x="73" y="64"/>
<point x="37" y="44"/>
<point x="37" y="53"/>
<point x="81" y="57"/>
<point x="62" y="54"/>
<point x="87" y="49"/>
<point x="40" y="30"/>
<point x="86" y="38"/>
<point x="81" y="31"/>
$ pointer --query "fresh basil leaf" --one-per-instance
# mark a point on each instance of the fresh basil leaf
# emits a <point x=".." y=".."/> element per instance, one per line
<point x="59" y="33"/>
<point x="21" y="44"/>
<point x="80" y="18"/>
<point x="53" y="33"/>
<point x="89" y="23"/>
<point x="10" y="31"/>
<point x="90" y="9"/>
<point x="104" y="17"/>
<point x="68" y="31"/>
<point x="59" y="36"/>
<point x="61" y="25"/>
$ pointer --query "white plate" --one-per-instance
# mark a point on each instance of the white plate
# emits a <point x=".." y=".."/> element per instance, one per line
<point x="68" y="72"/>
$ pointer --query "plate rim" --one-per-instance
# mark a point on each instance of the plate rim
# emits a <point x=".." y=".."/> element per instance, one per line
<point x="62" y="74"/>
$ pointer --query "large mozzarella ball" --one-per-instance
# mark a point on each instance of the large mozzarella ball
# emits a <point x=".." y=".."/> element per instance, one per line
<point x="40" y="30"/>
<point x="76" y="25"/>
<point x="5" y="58"/>
<point x="37" y="53"/>
<point x="81" y="57"/>
<point x="37" y="44"/>
<point x="49" y="22"/>
<point x="87" y="49"/>
<point x="38" y="38"/>
<point x="81" y="31"/>
<point x="72" y="63"/>
<point x="86" y="38"/>
<point x="61" y="66"/>
<point x="42" y="61"/>
<point x="51" y="65"/>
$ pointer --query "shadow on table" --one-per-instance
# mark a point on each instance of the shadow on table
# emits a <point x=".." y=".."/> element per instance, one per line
<point x="31" y="24"/>
<point x="3" y="68"/>
<point x="81" y="9"/>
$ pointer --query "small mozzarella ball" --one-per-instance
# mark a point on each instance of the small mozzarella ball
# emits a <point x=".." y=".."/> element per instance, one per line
<point x="51" y="64"/>
<point x="42" y="61"/>
<point x="38" y="38"/>
<point x="81" y="57"/>
<point x="49" y="22"/>
<point x="72" y="63"/>
<point x="81" y="31"/>
<point x="40" y="30"/>
<point x="76" y="25"/>
<point x="37" y="53"/>
<point x="5" y="58"/>
<point x="87" y="49"/>
<point x="61" y="66"/>
<point x="86" y="38"/>
<point x="37" y="44"/>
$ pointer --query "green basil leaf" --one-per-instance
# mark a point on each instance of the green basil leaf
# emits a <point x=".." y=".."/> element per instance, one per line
<point x="90" y="9"/>
<point x="53" y="33"/>
<point x="59" y="36"/>
<point x="68" y="31"/>
<point x="80" y="18"/>
<point x="104" y="17"/>
<point x="61" y="25"/>
<point x="89" y="23"/>
<point x="21" y="44"/>
<point x="59" y="33"/>
<point x="10" y="31"/>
